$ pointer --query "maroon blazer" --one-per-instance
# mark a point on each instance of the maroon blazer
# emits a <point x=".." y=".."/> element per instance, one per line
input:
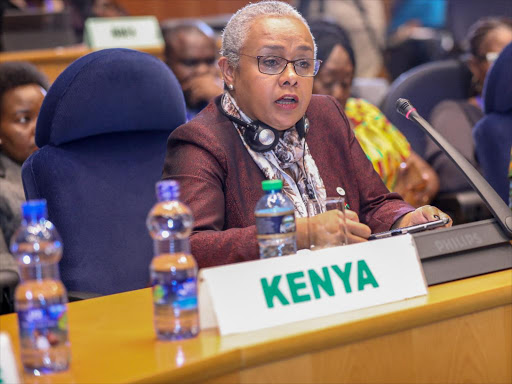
<point x="221" y="183"/>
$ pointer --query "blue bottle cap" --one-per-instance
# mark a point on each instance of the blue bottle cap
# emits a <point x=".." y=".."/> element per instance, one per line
<point x="167" y="190"/>
<point x="34" y="210"/>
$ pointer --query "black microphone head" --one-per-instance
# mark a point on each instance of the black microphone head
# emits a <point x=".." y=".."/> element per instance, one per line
<point x="403" y="107"/>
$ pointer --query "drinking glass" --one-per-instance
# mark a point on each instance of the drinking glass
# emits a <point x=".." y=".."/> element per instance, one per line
<point x="324" y="234"/>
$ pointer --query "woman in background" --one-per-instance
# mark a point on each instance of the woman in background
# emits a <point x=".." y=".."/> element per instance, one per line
<point x="400" y="168"/>
<point x="22" y="90"/>
<point x="455" y="119"/>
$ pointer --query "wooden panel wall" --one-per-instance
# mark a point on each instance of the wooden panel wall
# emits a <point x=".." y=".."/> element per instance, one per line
<point x="168" y="9"/>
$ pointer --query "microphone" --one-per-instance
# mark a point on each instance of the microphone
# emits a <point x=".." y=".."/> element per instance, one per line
<point x="468" y="249"/>
<point x="498" y="208"/>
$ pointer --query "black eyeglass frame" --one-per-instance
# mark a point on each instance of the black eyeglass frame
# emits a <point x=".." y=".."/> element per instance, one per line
<point x="317" y="63"/>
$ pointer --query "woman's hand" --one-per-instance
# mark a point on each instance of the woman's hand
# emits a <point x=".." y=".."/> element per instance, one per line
<point x="356" y="232"/>
<point x="422" y="215"/>
<point x="327" y="228"/>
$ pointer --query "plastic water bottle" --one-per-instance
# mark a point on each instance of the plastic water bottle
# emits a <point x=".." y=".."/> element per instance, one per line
<point x="275" y="221"/>
<point x="40" y="298"/>
<point x="173" y="268"/>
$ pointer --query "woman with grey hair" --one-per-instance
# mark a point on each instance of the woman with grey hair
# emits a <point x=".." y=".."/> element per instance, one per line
<point x="268" y="125"/>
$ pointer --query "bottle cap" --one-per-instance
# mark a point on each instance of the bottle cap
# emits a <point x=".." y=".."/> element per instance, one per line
<point x="34" y="210"/>
<point x="272" y="185"/>
<point x="167" y="190"/>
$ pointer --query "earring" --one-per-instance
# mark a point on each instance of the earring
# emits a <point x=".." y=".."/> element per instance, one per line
<point x="231" y="87"/>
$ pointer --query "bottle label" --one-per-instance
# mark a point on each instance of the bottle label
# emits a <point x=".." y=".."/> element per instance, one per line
<point x="276" y="225"/>
<point x="180" y="295"/>
<point x="43" y="328"/>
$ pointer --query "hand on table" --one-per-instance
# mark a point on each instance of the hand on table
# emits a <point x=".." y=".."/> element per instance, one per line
<point x="422" y="215"/>
<point x="356" y="232"/>
<point x="327" y="228"/>
<point x="330" y="224"/>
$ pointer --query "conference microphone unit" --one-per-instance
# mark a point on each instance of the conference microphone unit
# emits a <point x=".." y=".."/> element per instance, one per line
<point x="468" y="249"/>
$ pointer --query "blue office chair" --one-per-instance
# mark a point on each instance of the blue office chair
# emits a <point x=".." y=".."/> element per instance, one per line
<point x="102" y="133"/>
<point x="425" y="86"/>
<point x="493" y="133"/>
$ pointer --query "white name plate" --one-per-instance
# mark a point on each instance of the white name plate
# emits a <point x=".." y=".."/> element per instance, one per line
<point x="258" y="294"/>
<point x="8" y="367"/>
<point x="123" y="32"/>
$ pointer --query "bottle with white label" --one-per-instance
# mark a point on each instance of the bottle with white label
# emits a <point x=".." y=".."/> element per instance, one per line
<point x="40" y="298"/>
<point x="275" y="221"/>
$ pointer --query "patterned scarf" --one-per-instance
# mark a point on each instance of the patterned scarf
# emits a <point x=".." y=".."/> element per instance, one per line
<point x="289" y="161"/>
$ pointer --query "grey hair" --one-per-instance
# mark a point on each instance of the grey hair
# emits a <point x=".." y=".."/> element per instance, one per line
<point x="235" y="34"/>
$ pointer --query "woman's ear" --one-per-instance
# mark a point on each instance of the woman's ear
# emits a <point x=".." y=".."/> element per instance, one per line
<point x="228" y="72"/>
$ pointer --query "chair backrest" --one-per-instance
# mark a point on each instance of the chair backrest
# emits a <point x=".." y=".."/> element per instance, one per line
<point x="493" y="133"/>
<point x="102" y="133"/>
<point x="425" y="86"/>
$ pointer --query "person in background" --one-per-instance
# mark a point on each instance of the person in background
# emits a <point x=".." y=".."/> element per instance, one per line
<point x="107" y="8"/>
<point x="43" y="5"/>
<point x="416" y="34"/>
<point x="493" y="133"/>
<point x="455" y="119"/>
<point x="268" y="64"/>
<point x="363" y="20"/>
<point x="399" y="167"/>
<point x="22" y="90"/>
<point x="427" y="13"/>
<point x="81" y="10"/>
<point x="191" y="53"/>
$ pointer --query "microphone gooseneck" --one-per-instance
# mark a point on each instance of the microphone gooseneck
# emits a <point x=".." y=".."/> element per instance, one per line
<point x="499" y="209"/>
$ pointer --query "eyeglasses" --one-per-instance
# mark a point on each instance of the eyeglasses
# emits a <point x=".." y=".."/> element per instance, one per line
<point x="275" y="65"/>
<point x="490" y="57"/>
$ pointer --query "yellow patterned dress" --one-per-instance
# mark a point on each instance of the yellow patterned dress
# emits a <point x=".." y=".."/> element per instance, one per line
<point x="382" y="142"/>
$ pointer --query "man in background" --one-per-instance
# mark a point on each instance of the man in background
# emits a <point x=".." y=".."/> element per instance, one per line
<point x="191" y="53"/>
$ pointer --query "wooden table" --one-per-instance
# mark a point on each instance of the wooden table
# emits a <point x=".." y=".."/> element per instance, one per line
<point x="460" y="332"/>
<point x="53" y="61"/>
